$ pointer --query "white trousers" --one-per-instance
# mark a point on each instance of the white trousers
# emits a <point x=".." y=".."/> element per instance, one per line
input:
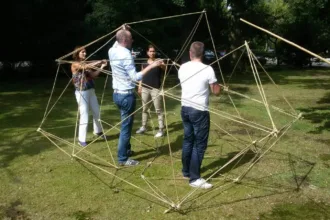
<point x="87" y="100"/>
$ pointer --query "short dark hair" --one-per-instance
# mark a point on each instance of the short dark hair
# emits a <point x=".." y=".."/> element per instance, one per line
<point x="197" y="49"/>
<point x="150" y="46"/>
<point x="77" y="50"/>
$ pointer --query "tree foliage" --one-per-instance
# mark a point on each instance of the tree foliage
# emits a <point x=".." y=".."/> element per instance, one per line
<point x="44" y="30"/>
<point x="39" y="29"/>
<point x="305" y="22"/>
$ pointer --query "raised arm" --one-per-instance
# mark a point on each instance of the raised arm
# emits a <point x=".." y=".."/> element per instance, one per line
<point x="83" y="65"/>
<point x="156" y="63"/>
<point x="94" y="74"/>
<point x="75" y="67"/>
<point x="130" y="68"/>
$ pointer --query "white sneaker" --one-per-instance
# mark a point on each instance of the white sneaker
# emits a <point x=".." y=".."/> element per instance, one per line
<point x="159" y="134"/>
<point x="141" y="130"/>
<point x="201" y="183"/>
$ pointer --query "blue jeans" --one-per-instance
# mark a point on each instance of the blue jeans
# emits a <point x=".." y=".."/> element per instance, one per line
<point x="196" y="125"/>
<point x="126" y="104"/>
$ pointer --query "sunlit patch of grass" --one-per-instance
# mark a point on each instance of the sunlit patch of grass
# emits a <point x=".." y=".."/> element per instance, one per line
<point x="52" y="185"/>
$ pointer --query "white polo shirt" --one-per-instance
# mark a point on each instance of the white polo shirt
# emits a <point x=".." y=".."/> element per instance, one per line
<point x="195" y="78"/>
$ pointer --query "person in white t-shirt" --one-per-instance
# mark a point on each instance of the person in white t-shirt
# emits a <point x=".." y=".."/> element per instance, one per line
<point x="196" y="80"/>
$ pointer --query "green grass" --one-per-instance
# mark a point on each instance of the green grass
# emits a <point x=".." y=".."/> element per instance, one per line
<point x="38" y="181"/>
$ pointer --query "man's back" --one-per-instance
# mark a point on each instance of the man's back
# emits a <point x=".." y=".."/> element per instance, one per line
<point x="195" y="78"/>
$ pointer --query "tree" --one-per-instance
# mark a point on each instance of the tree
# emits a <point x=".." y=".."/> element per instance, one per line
<point x="41" y="29"/>
<point x="304" y="22"/>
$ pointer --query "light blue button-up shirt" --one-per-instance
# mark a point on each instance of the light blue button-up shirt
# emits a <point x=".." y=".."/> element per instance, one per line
<point x="123" y="68"/>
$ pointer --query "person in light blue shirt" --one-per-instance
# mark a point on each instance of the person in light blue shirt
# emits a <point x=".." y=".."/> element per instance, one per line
<point x="124" y="79"/>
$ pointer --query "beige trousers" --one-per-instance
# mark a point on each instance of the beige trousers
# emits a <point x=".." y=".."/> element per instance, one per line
<point x="147" y="95"/>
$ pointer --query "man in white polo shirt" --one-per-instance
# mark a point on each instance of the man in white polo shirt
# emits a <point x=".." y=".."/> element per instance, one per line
<point x="196" y="78"/>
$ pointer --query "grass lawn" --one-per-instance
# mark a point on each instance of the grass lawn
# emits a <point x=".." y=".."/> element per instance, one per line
<point x="290" y="181"/>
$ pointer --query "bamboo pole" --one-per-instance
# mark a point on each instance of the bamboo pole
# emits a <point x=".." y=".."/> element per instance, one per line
<point x="287" y="41"/>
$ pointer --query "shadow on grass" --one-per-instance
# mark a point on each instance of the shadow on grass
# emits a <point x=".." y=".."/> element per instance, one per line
<point x="319" y="115"/>
<point x="28" y="144"/>
<point x="224" y="100"/>
<point x="310" y="210"/>
<point x="300" y="170"/>
<point x="95" y="175"/>
<point x="195" y="208"/>
<point x="83" y="215"/>
<point x="114" y="186"/>
<point x="300" y="180"/>
<point x="259" y="183"/>
<point x="241" y="160"/>
<point x="23" y="109"/>
<point x="281" y="76"/>
<point x="161" y="149"/>
<point x="13" y="211"/>
<point x="303" y="78"/>
<point x="175" y="126"/>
